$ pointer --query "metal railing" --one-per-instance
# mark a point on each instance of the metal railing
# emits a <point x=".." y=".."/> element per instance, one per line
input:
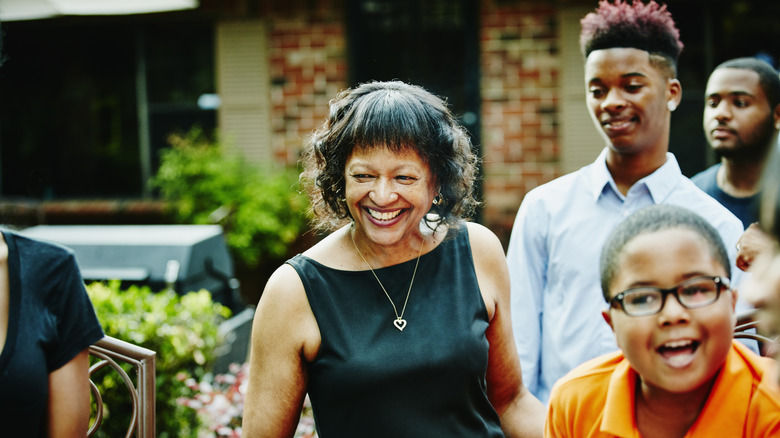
<point x="747" y="322"/>
<point x="110" y="350"/>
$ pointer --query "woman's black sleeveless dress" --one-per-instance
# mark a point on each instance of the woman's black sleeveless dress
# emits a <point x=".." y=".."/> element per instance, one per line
<point x="372" y="380"/>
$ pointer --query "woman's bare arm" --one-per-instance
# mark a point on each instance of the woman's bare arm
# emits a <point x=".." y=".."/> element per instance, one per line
<point x="522" y="414"/>
<point x="284" y="338"/>
<point x="68" y="406"/>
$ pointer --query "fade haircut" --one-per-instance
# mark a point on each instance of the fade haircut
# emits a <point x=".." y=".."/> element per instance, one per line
<point x="650" y="220"/>
<point x="768" y="77"/>
<point x="647" y="27"/>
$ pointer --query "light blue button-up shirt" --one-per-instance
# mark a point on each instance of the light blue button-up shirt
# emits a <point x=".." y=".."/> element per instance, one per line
<point x="553" y="258"/>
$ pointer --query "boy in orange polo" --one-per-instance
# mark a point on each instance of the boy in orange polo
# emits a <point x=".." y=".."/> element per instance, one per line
<point x="664" y="273"/>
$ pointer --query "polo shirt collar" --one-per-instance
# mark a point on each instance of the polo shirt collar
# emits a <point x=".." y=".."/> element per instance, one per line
<point x="730" y="394"/>
<point x="660" y="183"/>
<point x="619" y="419"/>
<point x="619" y="405"/>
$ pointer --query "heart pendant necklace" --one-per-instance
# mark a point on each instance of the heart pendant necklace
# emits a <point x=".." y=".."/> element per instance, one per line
<point x="399" y="322"/>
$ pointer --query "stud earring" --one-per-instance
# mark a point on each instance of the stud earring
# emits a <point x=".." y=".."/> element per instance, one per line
<point x="671" y="105"/>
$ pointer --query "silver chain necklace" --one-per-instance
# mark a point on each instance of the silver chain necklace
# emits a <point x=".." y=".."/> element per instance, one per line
<point x="399" y="322"/>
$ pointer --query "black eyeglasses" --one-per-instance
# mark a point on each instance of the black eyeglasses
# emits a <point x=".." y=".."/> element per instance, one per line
<point x="691" y="294"/>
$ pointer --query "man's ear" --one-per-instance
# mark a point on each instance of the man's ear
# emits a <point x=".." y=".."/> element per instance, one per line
<point x="608" y="318"/>
<point x="674" y="91"/>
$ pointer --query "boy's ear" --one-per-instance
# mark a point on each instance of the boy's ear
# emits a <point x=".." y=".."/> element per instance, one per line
<point x="608" y="318"/>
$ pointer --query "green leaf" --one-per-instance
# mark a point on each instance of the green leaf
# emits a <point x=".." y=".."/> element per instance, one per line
<point x="182" y="330"/>
<point x="261" y="211"/>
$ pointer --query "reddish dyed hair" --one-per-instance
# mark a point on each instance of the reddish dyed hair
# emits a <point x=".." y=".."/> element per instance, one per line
<point x="647" y="27"/>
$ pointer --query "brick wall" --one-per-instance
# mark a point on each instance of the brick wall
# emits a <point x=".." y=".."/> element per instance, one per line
<point x="520" y="140"/>
<point x="308" y="67"/>
<point x="520" y="71"/>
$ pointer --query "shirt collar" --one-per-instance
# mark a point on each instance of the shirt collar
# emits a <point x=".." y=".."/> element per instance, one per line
<point x="619" y="412"/>
<point x="711" y="421"/>
<point x="659" y="183"/>
<point x="619" y="405"/>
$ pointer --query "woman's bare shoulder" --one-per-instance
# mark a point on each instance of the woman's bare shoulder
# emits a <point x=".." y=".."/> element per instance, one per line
<point x="284" y="288"/>
<point x="331" y="251"/>
<point x="284" y="316"/>
<point x="483" y="241"/>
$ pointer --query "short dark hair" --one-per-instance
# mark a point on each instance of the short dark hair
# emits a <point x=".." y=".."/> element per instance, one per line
<point x="398" y="116"/>
<point x="647" y="27"/>
<point x="768" y="78"/>
<point x="649" y="220"/>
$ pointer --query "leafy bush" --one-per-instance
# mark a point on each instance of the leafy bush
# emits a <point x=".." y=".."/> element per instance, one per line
<point x="182" y="330"/>
<point x="261" y="212"/>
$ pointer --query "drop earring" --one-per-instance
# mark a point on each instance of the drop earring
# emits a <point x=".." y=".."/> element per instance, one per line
<point x="438" y="199"/>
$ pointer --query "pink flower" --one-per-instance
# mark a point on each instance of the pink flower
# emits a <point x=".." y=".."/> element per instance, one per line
<point x="219" y="402"/>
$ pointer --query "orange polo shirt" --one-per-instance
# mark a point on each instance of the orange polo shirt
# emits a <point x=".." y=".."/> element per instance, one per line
<point x="596" y="399"/>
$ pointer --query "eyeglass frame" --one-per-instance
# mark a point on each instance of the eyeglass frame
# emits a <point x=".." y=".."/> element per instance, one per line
<point x="721" y="284"/>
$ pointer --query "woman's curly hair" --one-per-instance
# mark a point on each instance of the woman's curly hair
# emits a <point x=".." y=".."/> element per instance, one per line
<point x="649" y="27"/>
<point x="400" y="117"/>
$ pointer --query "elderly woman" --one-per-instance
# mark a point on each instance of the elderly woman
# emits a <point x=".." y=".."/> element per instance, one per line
<point x="397" y="324"/>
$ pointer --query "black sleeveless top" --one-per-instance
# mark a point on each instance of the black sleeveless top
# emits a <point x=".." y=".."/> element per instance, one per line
<point x="370" y="379"/>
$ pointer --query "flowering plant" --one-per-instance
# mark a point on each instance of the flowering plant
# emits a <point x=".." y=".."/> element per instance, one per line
<point x="219" y="402"/>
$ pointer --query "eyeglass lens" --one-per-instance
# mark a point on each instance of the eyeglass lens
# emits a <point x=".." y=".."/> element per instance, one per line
<point x="693" y="293"/>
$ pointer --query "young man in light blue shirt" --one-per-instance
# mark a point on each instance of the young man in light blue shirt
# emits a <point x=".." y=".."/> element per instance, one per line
<point x="631" y="53"/>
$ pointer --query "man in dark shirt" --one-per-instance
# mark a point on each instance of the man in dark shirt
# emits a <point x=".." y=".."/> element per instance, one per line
<point x="741" y="123"/>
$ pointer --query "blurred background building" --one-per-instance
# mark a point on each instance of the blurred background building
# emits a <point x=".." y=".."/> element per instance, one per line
<point x="89" y="96"/>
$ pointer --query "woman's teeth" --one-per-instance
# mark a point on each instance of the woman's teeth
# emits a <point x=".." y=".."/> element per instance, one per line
<point x="383" y="216"/>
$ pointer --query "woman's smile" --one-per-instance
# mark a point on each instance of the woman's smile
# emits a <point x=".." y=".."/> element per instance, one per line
<point x="383" y="215"/>
<point x="388" y="193"/>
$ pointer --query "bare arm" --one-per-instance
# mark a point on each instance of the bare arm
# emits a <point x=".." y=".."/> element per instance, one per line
<point x="284" y="337"/>
<point x="522" y="414"/>
<point x="68" y="405"/>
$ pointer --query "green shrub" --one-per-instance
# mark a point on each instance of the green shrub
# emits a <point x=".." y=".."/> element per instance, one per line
<point x="260" y="210"/>
<point x="182" y="330"/>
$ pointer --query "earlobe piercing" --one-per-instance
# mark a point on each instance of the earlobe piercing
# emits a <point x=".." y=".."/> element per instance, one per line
<point x="671" y="105"/>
